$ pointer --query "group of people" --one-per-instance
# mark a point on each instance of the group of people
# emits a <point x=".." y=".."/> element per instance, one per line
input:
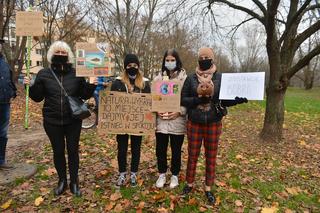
<point x="202" y="124"/>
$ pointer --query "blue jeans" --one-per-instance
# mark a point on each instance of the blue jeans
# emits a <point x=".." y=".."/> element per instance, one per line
<point x="4" y="125"/>
<point x="96" y="98"/>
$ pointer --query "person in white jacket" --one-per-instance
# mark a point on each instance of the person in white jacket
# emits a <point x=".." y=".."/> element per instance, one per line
<point x="171" y="126"/>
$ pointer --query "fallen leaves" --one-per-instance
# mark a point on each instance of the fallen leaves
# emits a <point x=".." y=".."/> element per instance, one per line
<point x="6" y="205"/>
<point x="238" y="203"/>
<point x="38" y="201"/>
<point x="293" y="190"/>
<point x="115" y="196"/>
<point x="269" y="210"/>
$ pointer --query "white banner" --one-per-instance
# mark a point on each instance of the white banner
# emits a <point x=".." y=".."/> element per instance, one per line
<point x="246" y="85"/>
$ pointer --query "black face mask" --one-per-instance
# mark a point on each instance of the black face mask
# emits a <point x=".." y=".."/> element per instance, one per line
<point x="205" y="64"/>
<point x="59" y="59"/>
<point x="132" y="71"/>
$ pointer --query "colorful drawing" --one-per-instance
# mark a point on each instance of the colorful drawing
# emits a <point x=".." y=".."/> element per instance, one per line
<point x="94" y="59"/>
<point x="175" y="89"/>
<point x="164" y="89"/>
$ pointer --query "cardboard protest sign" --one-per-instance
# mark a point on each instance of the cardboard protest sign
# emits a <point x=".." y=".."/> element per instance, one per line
<point x="93" y="59"/>
<point x="29" y="23"/>
<point x="166" y="96"/>
<point x="122" y="113"/>
<point x="248" y="85"/>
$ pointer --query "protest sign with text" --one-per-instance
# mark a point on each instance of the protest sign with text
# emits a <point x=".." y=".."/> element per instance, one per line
<point x="248" y="85"/>
<point x="29" y="23"/>
<point x="123" y="113"/>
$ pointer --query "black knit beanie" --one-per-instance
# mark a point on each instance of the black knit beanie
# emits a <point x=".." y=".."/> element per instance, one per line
<point x="131" y="58"/>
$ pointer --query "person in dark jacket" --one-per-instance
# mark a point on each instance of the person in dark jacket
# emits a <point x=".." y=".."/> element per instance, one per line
<point x="7" y="92"/>
<point x="131" y="81"/>
<point x="61" y="128"/>
<point x="204" y="119"/>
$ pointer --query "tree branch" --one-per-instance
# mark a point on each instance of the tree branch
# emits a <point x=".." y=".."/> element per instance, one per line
<point x="303" y="61"/>
<point x="306" y="34"/>
<point x="261" y="7"/>
<point x="241" y="8"/>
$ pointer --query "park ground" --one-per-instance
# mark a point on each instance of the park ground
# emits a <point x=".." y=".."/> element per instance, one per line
<point x="252" y="176"/>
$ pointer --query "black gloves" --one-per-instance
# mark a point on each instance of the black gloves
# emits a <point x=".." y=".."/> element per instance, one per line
<point x="202" y="100"/>
<point x="241" y="100"/>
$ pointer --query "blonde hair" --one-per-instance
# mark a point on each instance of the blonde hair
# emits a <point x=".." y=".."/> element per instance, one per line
<point x="60" y="45"/>
<point x="139" y="82"/>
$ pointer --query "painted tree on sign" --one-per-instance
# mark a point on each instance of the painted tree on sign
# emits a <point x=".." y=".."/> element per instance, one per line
<point x="286" y="31"/>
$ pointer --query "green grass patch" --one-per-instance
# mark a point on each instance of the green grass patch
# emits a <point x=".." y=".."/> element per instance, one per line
<point x="296" y="100"/>
<point x="266" y="189"/>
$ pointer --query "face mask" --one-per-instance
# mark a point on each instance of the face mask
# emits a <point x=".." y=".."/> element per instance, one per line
<point x="132" y="72"/>
<point x="170" y="65"/>
<point x="205" y="64"/>
<point x="59" y="59"/>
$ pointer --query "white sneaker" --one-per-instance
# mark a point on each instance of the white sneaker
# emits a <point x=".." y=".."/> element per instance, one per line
<point x="174" y="182"/>
<point x="161" y="180"/>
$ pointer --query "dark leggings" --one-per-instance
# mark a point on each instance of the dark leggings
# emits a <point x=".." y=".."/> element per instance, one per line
<point x="162" y="141"/>
<point x="122" y="152"/>
<point x="59" y="136"/>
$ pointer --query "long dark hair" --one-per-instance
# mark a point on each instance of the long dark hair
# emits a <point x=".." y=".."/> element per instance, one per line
<point x="175" y="54"/>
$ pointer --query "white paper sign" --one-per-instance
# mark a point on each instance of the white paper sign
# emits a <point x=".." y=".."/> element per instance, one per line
<point x="247" y="85"/>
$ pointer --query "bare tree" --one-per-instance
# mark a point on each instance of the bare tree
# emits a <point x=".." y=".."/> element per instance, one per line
<point x="126" y="24"/>
<point x="284" y="35"/>
<point x="64" y="20"/>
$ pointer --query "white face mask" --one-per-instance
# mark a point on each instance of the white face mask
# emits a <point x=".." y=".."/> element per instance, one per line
<point x="170" y="65"/>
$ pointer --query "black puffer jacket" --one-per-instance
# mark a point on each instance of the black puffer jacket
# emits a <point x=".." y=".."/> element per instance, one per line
<point x="56" y="109"/>
<point x="189" y="99"/>
<point x="119" y="86"/>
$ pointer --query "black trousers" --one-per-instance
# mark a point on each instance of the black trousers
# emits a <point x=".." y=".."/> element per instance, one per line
<point x="123" y="149"/>
<point x="59" y="136"/>
<point x="162" y="141"/>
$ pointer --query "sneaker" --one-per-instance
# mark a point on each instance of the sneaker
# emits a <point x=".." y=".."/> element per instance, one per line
<point x="121" y="181"/>
<point x="161" y="180"/>
<point x="133" y="180"/>
<point x="174" y="181"/>
<point x="186" y="190"/>
<point x="211" y="198"/>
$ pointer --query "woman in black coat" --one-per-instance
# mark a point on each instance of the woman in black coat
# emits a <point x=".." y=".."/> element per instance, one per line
<point x="61" y="128"/>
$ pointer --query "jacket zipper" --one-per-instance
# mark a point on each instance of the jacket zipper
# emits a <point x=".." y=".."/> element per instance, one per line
<point x="61" y="107"/>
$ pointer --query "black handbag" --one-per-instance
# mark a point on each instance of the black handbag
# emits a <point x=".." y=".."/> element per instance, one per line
<point x="78" y="108"/>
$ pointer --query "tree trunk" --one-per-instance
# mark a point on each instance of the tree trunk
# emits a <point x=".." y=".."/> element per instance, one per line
<point x="308" y="78"/>
<point x="274" y="115"/>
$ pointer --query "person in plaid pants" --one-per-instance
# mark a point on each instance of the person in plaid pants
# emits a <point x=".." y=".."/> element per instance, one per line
<point x="204" y="119"/>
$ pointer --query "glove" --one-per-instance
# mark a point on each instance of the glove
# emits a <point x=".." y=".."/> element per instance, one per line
<point x="241" y="100"/>
<point x="202" y="100"/>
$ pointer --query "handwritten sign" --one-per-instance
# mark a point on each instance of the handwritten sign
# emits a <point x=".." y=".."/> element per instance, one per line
<point x="29" y="23"/>
<point x="166" y="96"/>
<point x="122" y="113"/>
<point x="248" y="85"/>
<point x="93" y="59"/>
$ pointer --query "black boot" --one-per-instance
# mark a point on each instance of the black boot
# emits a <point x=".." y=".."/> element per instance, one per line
<point x="62" y="186"/>
<point x="75" y="189"/>
<point x="211" y="198"/>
